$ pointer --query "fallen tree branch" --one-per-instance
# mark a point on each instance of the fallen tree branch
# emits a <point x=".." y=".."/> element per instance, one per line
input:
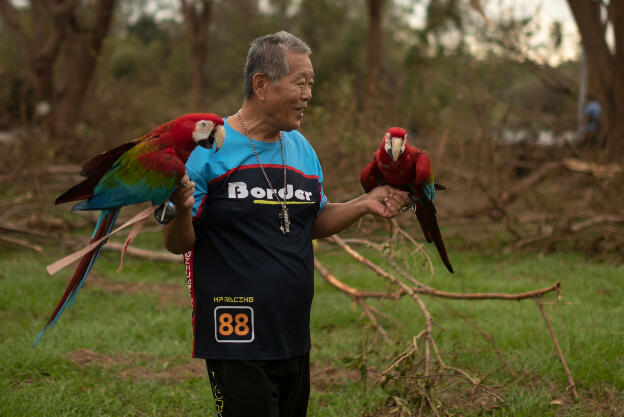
<point x="491" y="296"/>
<point x="426" y="334"/>
<point x="568" y="229"/>
<point x="510" y="196"/>
<point x="347" y="289"/>
<point x="431" y="365"/>
<point x="605" y="218"/>
<point x="146" y="254"/>
<point x="149" y="255"/>
<point x="404" y="289"/>
<point x="571" y="385"/>
<point x="11" y="228"/>
<point x="498" y="203"/>
<point x="591" y="168"/>
<point x="21" y="242"/>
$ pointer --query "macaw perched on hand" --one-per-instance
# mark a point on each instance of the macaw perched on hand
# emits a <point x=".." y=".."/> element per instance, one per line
<point x="406" y="167"/>
<point x="146" y="169"/>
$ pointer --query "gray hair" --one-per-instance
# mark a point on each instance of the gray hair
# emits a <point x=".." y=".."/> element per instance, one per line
<point x="267" y="55"/>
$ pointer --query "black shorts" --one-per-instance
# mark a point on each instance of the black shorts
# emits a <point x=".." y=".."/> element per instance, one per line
<point x="264" y="388"/>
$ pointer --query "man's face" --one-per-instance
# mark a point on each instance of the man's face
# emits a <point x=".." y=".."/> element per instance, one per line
<point x="287" y="100"/>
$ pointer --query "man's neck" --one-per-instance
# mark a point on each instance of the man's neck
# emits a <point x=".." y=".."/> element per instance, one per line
<point x="255" y="121"/>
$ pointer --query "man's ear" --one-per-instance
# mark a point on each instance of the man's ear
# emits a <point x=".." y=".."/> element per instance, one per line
<point x="259" y="83"/>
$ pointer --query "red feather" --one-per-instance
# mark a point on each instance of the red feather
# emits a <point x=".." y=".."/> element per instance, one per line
<point x="371" y="176"/>
<point x="166" y="162"/>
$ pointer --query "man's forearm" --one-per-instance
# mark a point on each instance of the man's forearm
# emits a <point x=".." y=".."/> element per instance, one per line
<point x="335" y="217"/>
<point x="382" y="201"/>
<point x="179" y="235"/>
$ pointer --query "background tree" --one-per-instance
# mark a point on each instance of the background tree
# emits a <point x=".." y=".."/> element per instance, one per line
<point x="606" y="65"/>
<point x="373" y="61"/>
<point x="197" y="18"/>
<point x="53" y="34"/>
<point x="40" y="45"/>
<point x="86" y="33"/>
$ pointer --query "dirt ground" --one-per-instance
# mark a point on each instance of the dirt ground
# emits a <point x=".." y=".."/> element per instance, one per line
<point x="324" y="378"/>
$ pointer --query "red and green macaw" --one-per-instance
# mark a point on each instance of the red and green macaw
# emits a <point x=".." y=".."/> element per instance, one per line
<point x="406" y="167"/>
<point x="146" y="169"/>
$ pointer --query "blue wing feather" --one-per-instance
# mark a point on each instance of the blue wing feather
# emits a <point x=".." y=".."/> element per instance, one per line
<point x="128" y="182"/>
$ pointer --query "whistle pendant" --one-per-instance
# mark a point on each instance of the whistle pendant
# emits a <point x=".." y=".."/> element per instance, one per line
<point x="284" y="220"/>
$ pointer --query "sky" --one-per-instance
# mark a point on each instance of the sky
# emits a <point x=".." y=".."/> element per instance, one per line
<point x="546" y="11"/>
<point x="549" y="11"/>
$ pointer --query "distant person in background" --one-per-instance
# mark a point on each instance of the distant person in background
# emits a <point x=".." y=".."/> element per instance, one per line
<point x="593" y="111"/>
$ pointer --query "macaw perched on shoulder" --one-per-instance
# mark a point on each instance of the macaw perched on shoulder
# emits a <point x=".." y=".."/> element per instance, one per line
<point x="146" y="169"/>
<point x="408" y="168"/>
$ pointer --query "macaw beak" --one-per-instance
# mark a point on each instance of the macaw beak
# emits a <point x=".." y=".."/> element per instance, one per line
<point x="216" y="138"/>
<point x="395" y="148"/>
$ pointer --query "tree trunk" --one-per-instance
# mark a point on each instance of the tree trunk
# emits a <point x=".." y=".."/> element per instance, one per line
<point x="40" y="46"/>
<point x="53" y="25"/>
<point x="606" y="67"/>
<point x="616" y="121"/>
<point x="373" y="62"/>
<point x="197" y="16"/>
<point x="580" y="105"/>
<point x="82" y="54"/>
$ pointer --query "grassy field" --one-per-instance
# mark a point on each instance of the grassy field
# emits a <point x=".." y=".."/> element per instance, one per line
<point x="124" y="347"/>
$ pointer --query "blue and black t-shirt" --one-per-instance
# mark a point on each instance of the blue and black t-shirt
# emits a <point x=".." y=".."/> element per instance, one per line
<point x="251" y="286"/>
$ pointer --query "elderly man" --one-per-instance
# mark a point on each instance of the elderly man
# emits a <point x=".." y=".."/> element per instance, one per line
<point x="245" y="221"/>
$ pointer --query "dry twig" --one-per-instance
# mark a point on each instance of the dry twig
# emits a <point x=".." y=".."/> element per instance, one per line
<point x="21" y="242"/>
<point x="571" y="385"/>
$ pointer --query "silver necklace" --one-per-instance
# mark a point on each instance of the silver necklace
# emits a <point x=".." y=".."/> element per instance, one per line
<point x="283" y="215"/>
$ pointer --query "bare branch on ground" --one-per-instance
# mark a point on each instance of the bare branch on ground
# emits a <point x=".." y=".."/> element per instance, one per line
<point x="428" y="368"/>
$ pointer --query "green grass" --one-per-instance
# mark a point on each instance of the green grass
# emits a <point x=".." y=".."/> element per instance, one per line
<point x="136" y="330"/>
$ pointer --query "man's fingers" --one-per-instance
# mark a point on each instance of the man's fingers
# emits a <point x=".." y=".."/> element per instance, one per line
<point x="396" y="201"/>
<point x="186" y="182"/>
<point x="183" y="193"/>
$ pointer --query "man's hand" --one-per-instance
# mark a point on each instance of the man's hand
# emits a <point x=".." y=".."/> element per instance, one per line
<point x="179" y="235"/>
<point x="383" y="201"/>
<point x="386" y="201"/>
<point x="182" y="197"/>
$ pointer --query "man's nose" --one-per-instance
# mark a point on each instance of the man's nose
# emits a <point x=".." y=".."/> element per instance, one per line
<point x="306" y="93"/>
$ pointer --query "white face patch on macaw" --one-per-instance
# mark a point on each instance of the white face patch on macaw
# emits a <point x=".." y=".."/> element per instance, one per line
<point x="394" y="146"/>
<point x="202" y="131"/>
<point x="206" y="134"/>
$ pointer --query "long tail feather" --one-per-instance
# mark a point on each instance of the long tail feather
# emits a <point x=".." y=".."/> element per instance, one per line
<point x="103" y="227"/>
<point x="105" y="223"/>
<point x="425" y="212"/>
